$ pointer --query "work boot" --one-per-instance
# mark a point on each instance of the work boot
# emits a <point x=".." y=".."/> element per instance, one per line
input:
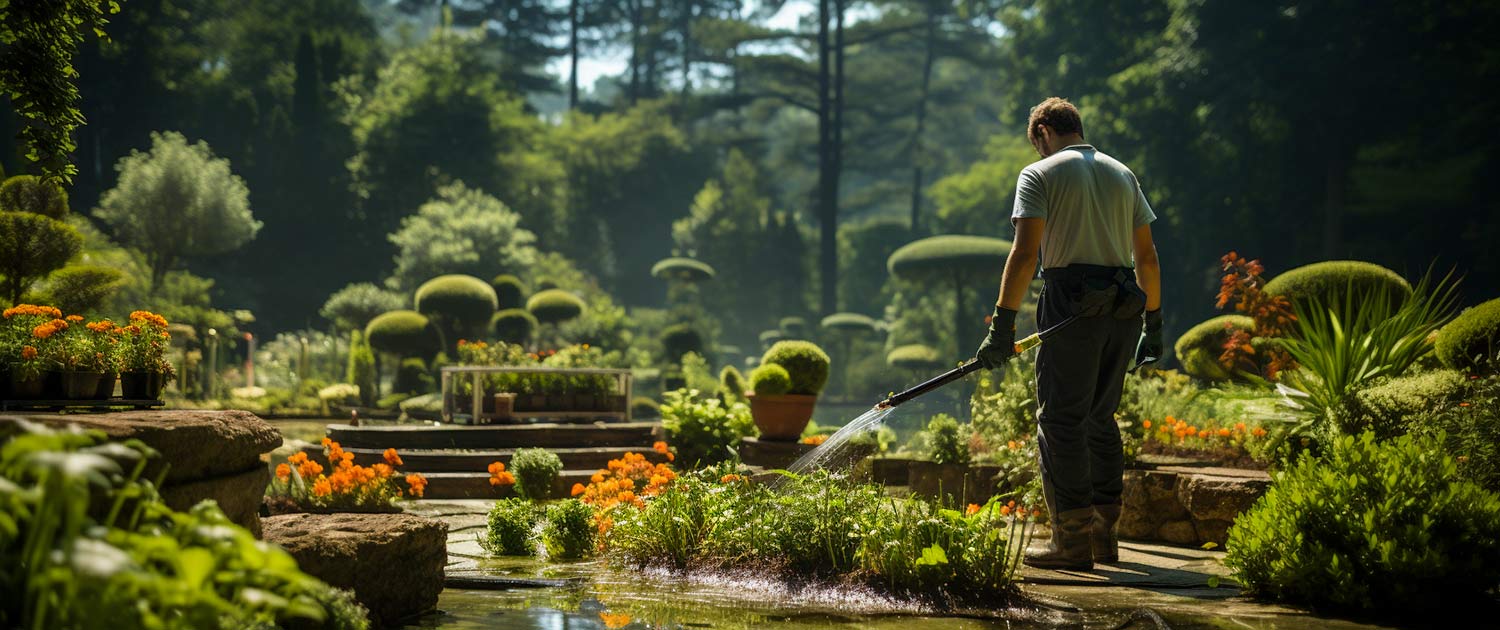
<point x="1069" y="548"/>
<point x="1102" y="537"/>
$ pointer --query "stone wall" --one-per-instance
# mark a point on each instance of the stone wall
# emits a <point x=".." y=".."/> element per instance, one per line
<point x="1185" y="505"/>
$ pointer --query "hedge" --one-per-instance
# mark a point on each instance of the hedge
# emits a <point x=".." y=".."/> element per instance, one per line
<point x="1388" y="407"/>
<point x="407" y="333"/>
<point x="1199" y="348"/>
<point x="1472" y="340"/>
<point x="510" y="292"/>
<point x="457" y="298"/>
<point x="513" y="325"/>
<point x="555" y="305"/>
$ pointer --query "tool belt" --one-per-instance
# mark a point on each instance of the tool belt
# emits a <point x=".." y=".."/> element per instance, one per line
<point x="1096" y="290"/>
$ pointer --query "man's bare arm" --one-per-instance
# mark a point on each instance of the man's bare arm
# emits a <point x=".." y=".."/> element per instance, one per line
<point x="1147" y="267"/>
<point x="1020" y="266"/>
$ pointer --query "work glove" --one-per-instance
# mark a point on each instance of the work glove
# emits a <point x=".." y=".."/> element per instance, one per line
<point x="1149" y="349"/>
<point x="999" y="345"/>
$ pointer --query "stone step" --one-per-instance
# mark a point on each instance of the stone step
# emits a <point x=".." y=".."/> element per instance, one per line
<point x="465" y="485"/>
<point x="447" y="460"/>
<point x="496" y="437"/>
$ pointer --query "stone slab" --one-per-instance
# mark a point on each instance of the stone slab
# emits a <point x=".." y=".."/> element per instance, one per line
<point x="198" y="444"/>
<point x="238" y="495"/>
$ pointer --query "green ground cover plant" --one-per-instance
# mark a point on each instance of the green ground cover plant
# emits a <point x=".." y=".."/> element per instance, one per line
<point x="535" y="470"/>
<point x="509" y="528"/>
<point x="703" y="429"/>
<point x="568" y="532"/>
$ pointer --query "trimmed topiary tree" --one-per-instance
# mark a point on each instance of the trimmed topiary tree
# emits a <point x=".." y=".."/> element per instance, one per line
<point x="1199" y="348"/>
<point x="959" y="261"/>
<point x="412" y="377"/>
<point x="1329" y="280"/>
<point x="513" y="325"/>
<point x="352" y="307"/>
<point x="83" y="288"/>
<point x="770" y="380"/>
<point x="29" y="193"/>
<point x="792" y="328"/>
<point x="769" y="338"/>
<point x="460" y="306"/>
<point x="32" y="246"/>
<point x="844" y="328"/>
<point x="916" y="357"/>
<point x="682" y="269"/>
<point x="554" y="306"/>
<point x="510" y="292"/>
<point x="362" y="368"/>
<point x="804" y="361"/>
<point x="680" y="339"/>
<point x="1472" y="340"/>
<point x="403" y="333"/>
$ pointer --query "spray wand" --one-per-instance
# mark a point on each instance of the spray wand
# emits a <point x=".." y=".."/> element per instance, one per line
<point x="972" y="365"/>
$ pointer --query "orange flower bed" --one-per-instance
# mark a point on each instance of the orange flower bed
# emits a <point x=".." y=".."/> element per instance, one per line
<point x="498" y="475"/>
<point x="815" y="440"/>
<point x="1175" y="430"/>
<point x="625" y="481"/>
<point x="302" y="480"/>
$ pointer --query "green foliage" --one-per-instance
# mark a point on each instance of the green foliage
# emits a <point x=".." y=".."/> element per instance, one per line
<point x="177" y="201"/>
<point x="513" y="325"/>
<point x="1003" y="406"/>
<point x="1199" y="348"/>
<point x="461" y="305"/>
<point x="1373" y="526"/>
<point x="510" y="292"/>
<point x="732" y="385"/>
<point x="696" y="373"/>
<point x="804" y="361"/>
<point x="682" y="269"/>
<point x="83" y="288"/>
<point x="864" y="247"/>
<point x="944" y="257"/>
<point x="32" y="246"/>
<point x="555" y="305"/>
<point x="914" y="356"/>
<point x="848" y="323"/>
<point x="792" y="328"/>
<point x="569" y="531"/>
<point x="703" y="429"/>
<point x="966" y="200"/>
<point x="362" y="367"/>
<point x="29" y="193"/>
<point x="131" y="561"/>
<point x="462" y="231"/>
<point x="770" y="380"/>
<point x="510" y="526"/>
<point x="1472" y="340"/>
<point x="405" y="333"/>
<point x="680" y="339"/>
<point x="643" y="407"/>
<point x="412" y="377"/>
<point x="1388" y="406"/>
<point x="352" y="307"/>
<point x="1331" y="281"/>
<point x="947" y="440"/>
<point x="535" y="470"/>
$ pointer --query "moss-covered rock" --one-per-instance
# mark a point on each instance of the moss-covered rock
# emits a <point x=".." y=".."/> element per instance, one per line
<point x="407" y="333"/>
<point x="1199" y="348"/>
<point x="1329" y="280"/>
<point x="1472" y="340"/>
<point x="804" y="361"/>
<point x="510" y="292"/>
<point x="554" y="306"/>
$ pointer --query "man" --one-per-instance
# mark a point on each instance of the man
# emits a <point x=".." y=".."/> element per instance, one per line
<point x="1086" y="216"/>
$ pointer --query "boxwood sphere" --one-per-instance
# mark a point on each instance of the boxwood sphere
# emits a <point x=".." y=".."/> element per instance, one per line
<point x="457" y="298"/>
<point x="29" y="193"/>
<point x="770" y="380"/>
<point x="510" y="292"/>
<point x="1472" y="340"/>
<point x="914" y="356"/>
<point x="1199" y="348"/>
<point x="513" y="325"/>
<point x="555" y="305"/>
<point x="1329" y="280"/>
<point x="804" y="361"/>
<point x="407" y="333"/>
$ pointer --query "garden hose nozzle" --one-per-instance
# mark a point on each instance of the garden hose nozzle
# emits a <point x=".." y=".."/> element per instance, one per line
<point x="1026" y="343"/>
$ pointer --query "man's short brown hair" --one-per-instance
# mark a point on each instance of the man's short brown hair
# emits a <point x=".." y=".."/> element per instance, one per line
<point x="1058" y="115"/>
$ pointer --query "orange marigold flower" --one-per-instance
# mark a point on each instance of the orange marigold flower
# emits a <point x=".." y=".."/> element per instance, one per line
<point x="815" y="440"/>
<point x="417" y="483"/>
<point x="283" y="472"/>
<point x="392" y="458"/>
<point x="972" y="509"/>
<point x="577" y="489"/>
<point x="28" y="353"/>
<point x="496" y="468"/>
<point x="1145" y="424"/>
<point x="1223" y="432"/>
<point x="598" y="477"/>
<point x="729" y="478"/>
<point x="382" y="470"/>
<point x="660" y="447"/>
<point x="1005" y="510"/>
<point x="614" y="621"/>
<point x="627" y="497"/>
<point x="322" y="488"/>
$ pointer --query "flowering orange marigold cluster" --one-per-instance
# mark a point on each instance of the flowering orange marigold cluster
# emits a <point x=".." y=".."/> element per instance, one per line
<point x="349" y="481"/>
<point x="624" y="481"/>
<point x="498" y="475"/>
<point x="1180" y="429"/>
<point x="661" y="447"/>
<point x="32" y="310"/>
<point x="48" y="329"/>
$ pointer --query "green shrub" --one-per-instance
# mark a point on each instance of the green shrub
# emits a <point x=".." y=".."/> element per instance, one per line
<point x="1470" y="430"/>
<point x="555" y="305"/>
<point x="770" y="380"/>
<point x="680" y="339"/>
<point x="1003" y="406"/>
<point x="731" y="385"/>
<point x="1389" y="406"/>
<point x="405" y="333"/>
<point x="1330" y="280"/>
<point x="1373" y="526"/>
<point x="392" y="401"/>
<point x="510" y="292"/>
<point x="682" y="269"/>
<point x="510" y="526"/>
<point x="513" y="325"/>
<point x="643" y="407"/>
<point x="914" y="356"/>
<point x="412" y="377"/>
<point x="32" y="246"/>
<point x="29" y="193"/>
<point x="1472" y="340"/>
<point x="804" y="361"/>
<point x="569" y="532"/>
<point x="535" y="470"/>
<point x="704" y="430"/>
<point x="947" y="440"/>
<point x="462" y="304"/>
<point x="362" y="367"/>
<point x="1199" y="348"/>
<point x="792" y="328"/>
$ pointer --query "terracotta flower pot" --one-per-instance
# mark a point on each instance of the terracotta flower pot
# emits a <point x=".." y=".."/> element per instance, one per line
<point x="141" y="385"/>
<point x="783" y="417"/>
<point x="79" y="385"/>
<point x="106" y="388"/>
<point x="505" y="406"/>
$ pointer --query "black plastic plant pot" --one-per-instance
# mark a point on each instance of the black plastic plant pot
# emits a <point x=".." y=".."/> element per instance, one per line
<point x="79" y="385"/>
<point x="141" y="385"/>
<point x="106" y="387"/>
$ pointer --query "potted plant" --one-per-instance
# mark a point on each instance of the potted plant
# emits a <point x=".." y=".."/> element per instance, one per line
<point x="945" y="473"/>
<point x="143" y="364"/>
<point x="785" y="388"/>
<point x="26" y="335"/>
<point x="81" y="353"/>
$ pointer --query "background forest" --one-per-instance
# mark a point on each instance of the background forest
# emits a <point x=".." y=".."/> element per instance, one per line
<point x="379" y="143"/>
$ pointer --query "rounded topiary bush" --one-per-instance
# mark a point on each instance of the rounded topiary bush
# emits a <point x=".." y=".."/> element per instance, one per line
<point x="554" y="306"/>
<point x="407" y="333"/>
<point x="914" y="356"/>
<point x="1472" y="340"/>
<point x="535" y="469"/>
<point x="1199" y="348"/>
<point x="792" y="328"/>
<point x="457" y="298"/>
<point x="509" y="529"/>
<point x="510" y="292"/>
<point x="804" y="361"/>
<point x="1370" y="526"/>
<point x="849" y="323"/>
<point x="680" y="339"/>
<point x="412" y="377"/>
<point x="1329" y="280"/>
<point x="770" y="380"/>
<point x="29" y="193"/>
<point x="948" y="254"/>
<point x="1387" y="407"/>
<point x="513" y="325"/>
<point x="684" y="269"/>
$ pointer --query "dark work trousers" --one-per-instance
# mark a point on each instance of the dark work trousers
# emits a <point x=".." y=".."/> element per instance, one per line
<point x="1079" y="375"/>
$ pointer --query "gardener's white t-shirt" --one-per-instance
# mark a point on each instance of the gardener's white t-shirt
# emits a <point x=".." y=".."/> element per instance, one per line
<point x="1091" y="202"/>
